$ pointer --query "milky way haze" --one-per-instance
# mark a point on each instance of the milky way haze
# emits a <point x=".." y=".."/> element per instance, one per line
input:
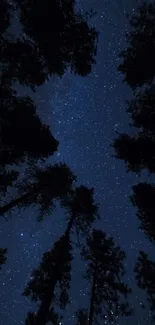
<point x="84" y="114"/>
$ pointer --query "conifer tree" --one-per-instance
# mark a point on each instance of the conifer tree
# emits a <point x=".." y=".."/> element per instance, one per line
<point x="42" y="186"/>
<point x="30" y="59"/>
<point x="138" y="64"/>
<point x="56" y="264"/>
<point x="144" y="271"/>
<point x="105" y="270"/>
<point x="138" y="151"/>
<point x="143" y="199"/>
<point x="23" y="136"/>
<point x="55" y="39"/>
<point x="51" y="281"/>
<point x="60" y="34"/>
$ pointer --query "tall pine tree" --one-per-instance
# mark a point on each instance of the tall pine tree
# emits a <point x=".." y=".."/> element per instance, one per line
<point x="138" y="152"/>
<point x="144" y="272"/>
<point x="42" y="186"/>
<point x="30" y="59"/>
<point x="105" y="270"/>
<point x="56" y="264"/>
<point x="61" y="35"/>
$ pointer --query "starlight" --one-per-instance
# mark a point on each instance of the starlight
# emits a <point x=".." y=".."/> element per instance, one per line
<point x="83" y="116"/>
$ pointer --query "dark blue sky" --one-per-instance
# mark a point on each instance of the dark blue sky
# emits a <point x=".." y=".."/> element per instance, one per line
<point x="84" y="114"/>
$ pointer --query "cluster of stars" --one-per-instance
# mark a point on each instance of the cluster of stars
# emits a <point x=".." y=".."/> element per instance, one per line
<point x="84" y="114"/>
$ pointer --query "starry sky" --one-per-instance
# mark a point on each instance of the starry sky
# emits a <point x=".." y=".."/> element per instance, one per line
<point x="84" y="114"/>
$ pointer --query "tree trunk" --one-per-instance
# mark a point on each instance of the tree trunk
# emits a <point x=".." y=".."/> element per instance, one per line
<point x="43" y="312"/>
<point x="91" y="310"/>
<point x="69" y="227"/>
<point x="14" y="203"/>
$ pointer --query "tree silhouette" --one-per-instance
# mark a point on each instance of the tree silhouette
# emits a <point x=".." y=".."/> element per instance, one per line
<point x="143" y="199"/>
<point x="7" y="178"/>
<point x="144" y="271"/>
<point x="30" y="60"/>
<point x="142" y="111"/>
<point x="22" y="63"/>
<point x="65" y="42"/>
<point x="52" y="317"/>
<point x="3" y="252"/>
<point x="42" y="186"/>
<point x="19" y="58"/>
<point x="51" y="281"/>
<point x="22" y="134"/>
<point x="105" y="271"/>
<point x="6" y="11"/>
<point x="138" y="64"/>
<point x="55" y="39"/>
<point x="82" y="316"/>
<point x="56" y="264"/>
<point x="82" y="209"/>
<point x="61" y="35"/>
<point x="137" y="151"/>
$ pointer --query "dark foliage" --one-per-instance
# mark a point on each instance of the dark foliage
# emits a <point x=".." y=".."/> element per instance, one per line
<point x="142" y="111"/>
<point x="30" y="61"/>
<point x="22" y="63"/>
<point x="51" y="281"/>
<point x="82" y="316"/>
<point x="145" y="271"/>
<point x="60" y="34"/>
<point x="6" y="11"/>
<point x="54" y="318"/>
<point x="137" y="152"/>
<point x="3" y="252"/>
<point x="42" y="186"/>
<point x="7" y="178"/>
<point x="54" y="39"/>
<point x="143" y="199"/>
<point x="105" y="271"/>
<point x="65" y="40"/>
<point x="138" y="64"/>
<point x="22" y="134"/>
<point x="82" y="206"/>
<point x="56" y="264"/>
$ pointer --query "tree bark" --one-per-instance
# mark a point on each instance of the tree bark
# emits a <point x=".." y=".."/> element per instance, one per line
<point x="43" y="312"/>
<point x="14" y="203"/>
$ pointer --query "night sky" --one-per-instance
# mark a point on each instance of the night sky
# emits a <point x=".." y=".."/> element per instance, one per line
<point x="84" y="114"/>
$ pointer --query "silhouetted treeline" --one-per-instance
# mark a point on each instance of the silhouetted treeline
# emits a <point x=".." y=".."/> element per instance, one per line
<point x="56" y="264"/>
<point x="56" y="38"/>
<point x="138" y="152"/>
<point x="53" y="40"/>
<point x="104" y="274"/>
